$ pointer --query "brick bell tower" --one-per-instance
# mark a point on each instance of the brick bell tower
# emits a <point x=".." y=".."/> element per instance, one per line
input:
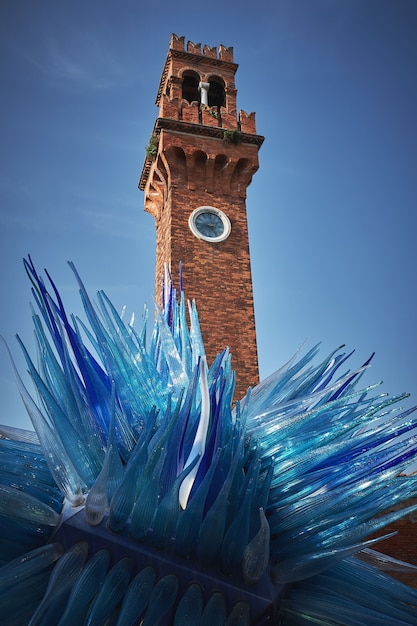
<point x="200" y="160"/>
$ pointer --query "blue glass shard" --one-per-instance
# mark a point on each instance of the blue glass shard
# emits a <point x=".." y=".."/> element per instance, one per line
<point x="137" y="597"/>
<point x="215" y="612"/>
<point x="306" y="565"/>
<point x="256" y="553"/>
<point x="97" y="501"/>
<point x="239" y="615"/>
<point x="26" y="507"/>
<point x="161" y="601"/>
<point x="32" y="590"/>
<point x="147" y="499"/>
<point x="63" y="576"/>
<point x="189" y="522"/>
<point x="169" y="509"/>
<point x="213" y="527"/>
<point x="24" y="567"/>
<point x="56" y="456"/>
<point x="236" y="537"/>
<point x="199" y="444"/>
<point x="112" y="590"/>
<point x="190" y="607"/>
<point x="85" y="589"/>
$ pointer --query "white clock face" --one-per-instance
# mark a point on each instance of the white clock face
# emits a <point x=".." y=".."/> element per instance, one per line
<point x="210" y="224"/>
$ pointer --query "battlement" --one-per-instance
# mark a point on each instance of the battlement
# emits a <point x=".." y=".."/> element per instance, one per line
<point x="223" y="53"/>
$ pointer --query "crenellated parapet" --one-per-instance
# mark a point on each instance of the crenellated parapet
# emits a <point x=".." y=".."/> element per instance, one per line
<point x="178" y="44"/>
<point x="247" y="122"/>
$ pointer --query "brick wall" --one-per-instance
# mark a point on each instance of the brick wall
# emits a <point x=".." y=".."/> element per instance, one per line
<point x="403" y="545"/>
<point x="197" y="172"/>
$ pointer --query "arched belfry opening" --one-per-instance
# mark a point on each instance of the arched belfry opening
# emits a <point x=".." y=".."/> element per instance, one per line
<point x="216" y="93"/>
<point x="190" y="84"/>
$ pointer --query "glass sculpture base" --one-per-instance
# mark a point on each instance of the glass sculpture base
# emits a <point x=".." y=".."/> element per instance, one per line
<point x="262" y="597"/>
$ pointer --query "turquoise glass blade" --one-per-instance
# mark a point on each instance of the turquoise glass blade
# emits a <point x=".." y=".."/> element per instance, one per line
<point x="239" y="615"/>
<point x="62" y="578"/>
<point x="28" y="565"/>
<point x="189" y="522"/>
<point x="190" y="608"/>
<point x="137" y="597"/>
<point x="256" y="553"/>
<point x="111" y="592"/>
<point x="168" y="510"/>
<point x="85" y="588"/>
<point x="161" y="601"/>
<point x="215" y="612"/>
<point x="56" y="456"/>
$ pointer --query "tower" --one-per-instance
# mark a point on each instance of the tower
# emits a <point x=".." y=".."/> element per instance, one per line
<point x="200" y="160"/>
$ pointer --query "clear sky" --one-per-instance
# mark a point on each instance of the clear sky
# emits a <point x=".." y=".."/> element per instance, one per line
<point x="332" y="210"/>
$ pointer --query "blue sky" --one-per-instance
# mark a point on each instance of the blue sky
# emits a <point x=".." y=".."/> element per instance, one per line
<point x="332" y="210"/>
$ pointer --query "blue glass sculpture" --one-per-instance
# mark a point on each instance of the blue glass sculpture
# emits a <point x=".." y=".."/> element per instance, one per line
<point x="145" y="496"/>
